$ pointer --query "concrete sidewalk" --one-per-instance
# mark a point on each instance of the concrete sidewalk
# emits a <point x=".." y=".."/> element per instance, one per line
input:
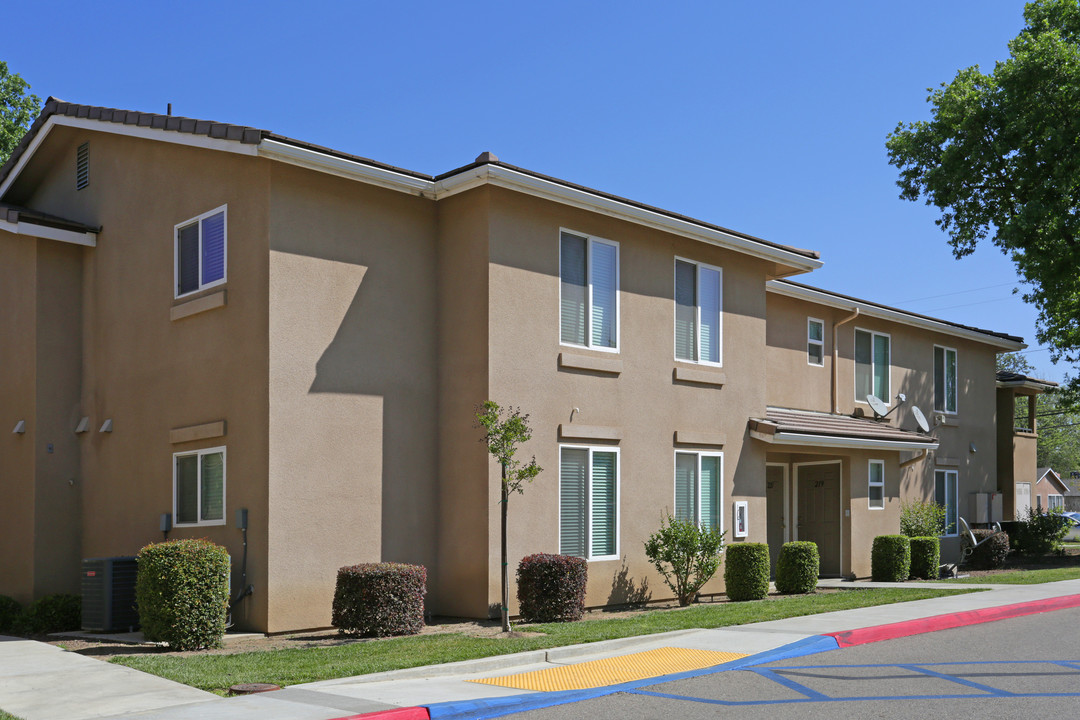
<point x="40" y="682"/>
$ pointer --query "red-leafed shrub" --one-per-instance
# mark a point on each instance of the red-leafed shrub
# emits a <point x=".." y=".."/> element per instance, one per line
<point x="990" y="555"/>
<point x="551" y="588"/>
<point x="380" y="599"/>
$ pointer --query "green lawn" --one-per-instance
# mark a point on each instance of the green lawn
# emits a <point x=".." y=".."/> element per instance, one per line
<point x="289" y="667"/>
<point x="1025" y="577"/>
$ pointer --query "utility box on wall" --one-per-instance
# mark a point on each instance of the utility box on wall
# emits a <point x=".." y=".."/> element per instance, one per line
<point x="108" y="594"/>
<point x="984" y="508"/>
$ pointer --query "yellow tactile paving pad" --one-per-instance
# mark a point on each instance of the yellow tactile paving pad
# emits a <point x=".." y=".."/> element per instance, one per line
<point x="612" y="671"/>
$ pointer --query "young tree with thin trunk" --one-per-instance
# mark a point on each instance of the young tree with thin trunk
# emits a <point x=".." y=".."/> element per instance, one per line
<point x="504" y="430"/>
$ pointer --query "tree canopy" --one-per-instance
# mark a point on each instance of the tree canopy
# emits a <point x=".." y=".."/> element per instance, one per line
<point x="1000" y="157"/>
<point x="17" y="110"/>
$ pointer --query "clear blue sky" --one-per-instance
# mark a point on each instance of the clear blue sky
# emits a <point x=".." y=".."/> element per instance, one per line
<point x="769" y="118"/>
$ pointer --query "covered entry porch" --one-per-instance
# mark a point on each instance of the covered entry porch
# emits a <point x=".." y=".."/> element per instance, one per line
<point x="834" y="480"/>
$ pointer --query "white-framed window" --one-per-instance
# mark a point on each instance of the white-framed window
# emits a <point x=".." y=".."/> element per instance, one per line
<point x="945" y="496"/>
<point x="589" y="502"/>
<point x="200" y="251"/>
<point x="815" y="342"/>
<point x="1055" y="502"/>
<point x="699" y="488"/>
<point x="872" y="358"/>
<point x="875" y="489"/>
<point x="698" y="306"/>
<point x="944" y="379"/>
<point x="588" y="291"/>
<point x="199" y="487"/>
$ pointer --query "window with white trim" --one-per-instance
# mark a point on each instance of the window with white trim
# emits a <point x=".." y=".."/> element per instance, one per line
<point x="1055" y="502"/>
<point x="699" y="488"/>
<point x="698" y="294"/>
<point x="199" y="487"/>
<point x="945" y="496"/>
<point x="876" y="485"/>
<point x="589" y="502"/>
<point x="944" y="379"/>
<point x="589" y="291"/>
<point x="200" y="252"/>
<point x="872" y="353"/>
<point x="815" y="342"/>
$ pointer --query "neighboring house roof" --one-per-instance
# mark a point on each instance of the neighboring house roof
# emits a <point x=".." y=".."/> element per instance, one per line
<point x="1051" y="477"/>
<point x="1007" y="379"/>
<point x="25" y="221"/>
<point x="877" y="310"/>
<point x="486" y="169"/>
<point x="784" y="426"/>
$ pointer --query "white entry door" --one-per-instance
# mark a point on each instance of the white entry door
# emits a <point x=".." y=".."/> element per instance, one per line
<point x="1023" y="500"/>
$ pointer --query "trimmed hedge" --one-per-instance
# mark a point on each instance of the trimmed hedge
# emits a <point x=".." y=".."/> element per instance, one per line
<point x="53" y="613"/>
<point x="992" y="553"/>
<point x="551" y="588"/>
<point x="798" y="567"/>
<point x="925" y="558"/>
<point x="890" y="558"/>
<point x="746" y="571"/>
<point x="182" y="591"/>
<point x="380" y="599"/>
<point x="10" y="614"/>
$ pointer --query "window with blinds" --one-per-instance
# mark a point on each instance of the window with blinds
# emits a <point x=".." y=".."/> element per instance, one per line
<point x="872" y="354"/>
<point x="945" y="496"/>
<point x="199" y="487"/>
<point x="200" y="252"/>
<point x="589" y="502"/>
<point x="589" y="292"/>
<point x="944" y="379"/>
<point x="699" y="488"/>
<point x="698" y="295"/>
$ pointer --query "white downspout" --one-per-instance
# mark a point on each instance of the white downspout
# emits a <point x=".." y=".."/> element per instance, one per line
<point x="835" y="355"/>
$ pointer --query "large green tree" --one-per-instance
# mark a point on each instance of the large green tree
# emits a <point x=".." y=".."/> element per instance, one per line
<point x="17" y="110"/>
<point x="1000" y="157"/>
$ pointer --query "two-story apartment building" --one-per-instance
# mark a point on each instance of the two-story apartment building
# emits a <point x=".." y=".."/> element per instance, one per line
<point x="204" y="317"/>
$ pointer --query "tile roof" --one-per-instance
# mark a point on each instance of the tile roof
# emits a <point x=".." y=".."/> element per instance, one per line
<point x="821" y="424"/>
<point x="1005" y="377"/>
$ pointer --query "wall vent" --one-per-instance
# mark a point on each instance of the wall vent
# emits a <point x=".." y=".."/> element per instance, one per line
<point x="108" y="594"/>
<point x="82" y="166"/>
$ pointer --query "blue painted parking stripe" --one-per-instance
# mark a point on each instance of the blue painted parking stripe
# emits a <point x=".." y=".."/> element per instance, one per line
<point x="789" y="683"/>
<point x="959" y="681"/>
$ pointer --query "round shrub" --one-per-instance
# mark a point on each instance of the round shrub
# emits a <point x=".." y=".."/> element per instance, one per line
<point x="890" y="558"/>
<point x="798" y="567"/>
<point x="551" y="588"/>
<point x="182" y="590"/>
<point x="10" y="613"/>
<point x="53" y="613"/>
<point x="925" y="558"/>
<point x="991" y="554"/>
<point x="746" y="571"/>
<point x="380" y="599"/>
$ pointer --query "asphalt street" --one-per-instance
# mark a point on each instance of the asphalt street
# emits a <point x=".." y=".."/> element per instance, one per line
<point x="1017" y="668"/>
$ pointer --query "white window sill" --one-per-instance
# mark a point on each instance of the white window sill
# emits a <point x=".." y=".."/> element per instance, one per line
<point x="209" y="523"/>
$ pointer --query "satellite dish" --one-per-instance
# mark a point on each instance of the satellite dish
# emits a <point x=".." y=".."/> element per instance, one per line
<point x="880" y="409"/>
<point x="920" y="419"/>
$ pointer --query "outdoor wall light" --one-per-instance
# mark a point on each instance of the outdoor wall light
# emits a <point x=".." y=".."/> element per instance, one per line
<point x="972" y="448"/>
<point x="106" y="426"/>
<point x="83" y="426"/>
<point x="20" y="427"/>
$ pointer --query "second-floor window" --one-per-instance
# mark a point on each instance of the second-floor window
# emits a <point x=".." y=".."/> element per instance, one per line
<point x="697" y="312"/>
<point x="815" y="342"/>
<point x="871" y="365"/>
<point x="200" y="252"/>
<point x="589" y="287"/>
<point x="944" y="379"/>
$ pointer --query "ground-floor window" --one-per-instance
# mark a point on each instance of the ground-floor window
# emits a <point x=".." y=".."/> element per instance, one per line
<point x="699" y="488"/>
<point x="1055" y="502"/>
<point x="589" y="502"/>
<point x="876" y="485"/>
<point x="199" y="487"/>
<point x="945" y="495"/>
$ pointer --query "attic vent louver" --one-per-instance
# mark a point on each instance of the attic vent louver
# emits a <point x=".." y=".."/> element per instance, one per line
<point x="82" y="166"/>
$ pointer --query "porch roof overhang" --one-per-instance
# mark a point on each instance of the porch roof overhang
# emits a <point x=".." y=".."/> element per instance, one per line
<point x="782" y="426"/>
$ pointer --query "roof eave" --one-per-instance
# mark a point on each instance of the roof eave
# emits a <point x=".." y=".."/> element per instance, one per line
<point x="781" y="437"/>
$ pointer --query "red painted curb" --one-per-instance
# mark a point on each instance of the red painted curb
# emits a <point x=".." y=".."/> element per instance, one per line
<point x="952" y="620"/>
<point x="408" y="713"/>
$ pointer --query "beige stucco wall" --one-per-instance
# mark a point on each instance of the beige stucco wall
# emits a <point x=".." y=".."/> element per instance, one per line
<point x="643" y="403"/>
<point x="146" y="372"/>
<point x="353" y="443"/>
